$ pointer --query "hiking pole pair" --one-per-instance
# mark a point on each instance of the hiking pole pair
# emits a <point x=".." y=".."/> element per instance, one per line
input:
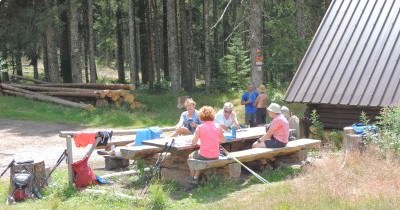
<point x="264" y="181"/>
<point x="156" y="167"/>
<point x="60" y="159"/>
<point x="9" y="166"/>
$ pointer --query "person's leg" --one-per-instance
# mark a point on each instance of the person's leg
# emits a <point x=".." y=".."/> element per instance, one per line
<point x="181" y="131"/>
<point x="258" y="145"/>
<point x="247" y="118"/>
<point x="253" y="120"/>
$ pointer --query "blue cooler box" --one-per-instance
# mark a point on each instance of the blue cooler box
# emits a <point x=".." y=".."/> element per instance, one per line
<point x="141" y="135"/>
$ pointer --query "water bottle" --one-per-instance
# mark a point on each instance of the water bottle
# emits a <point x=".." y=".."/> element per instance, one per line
<point x="233" y="131"/>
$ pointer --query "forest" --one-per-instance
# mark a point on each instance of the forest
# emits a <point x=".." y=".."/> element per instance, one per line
<point x="178" y="45"/>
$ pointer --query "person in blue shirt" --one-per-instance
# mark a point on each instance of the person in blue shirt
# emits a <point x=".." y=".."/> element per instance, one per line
<point x="189" y="119"/>
<point x="248" y="99"/>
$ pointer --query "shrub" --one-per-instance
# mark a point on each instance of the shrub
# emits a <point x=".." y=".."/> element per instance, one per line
<point x="389" y="121"/>
<point x="316" y="128"/>
<point x="335" y="139"/>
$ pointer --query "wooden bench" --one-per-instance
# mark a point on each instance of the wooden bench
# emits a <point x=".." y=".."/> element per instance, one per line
<point x="251" y="155"/>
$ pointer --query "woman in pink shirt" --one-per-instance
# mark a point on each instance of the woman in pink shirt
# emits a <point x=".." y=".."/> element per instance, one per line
<point x="278" y="131"/>
<point x="210" y="136"/>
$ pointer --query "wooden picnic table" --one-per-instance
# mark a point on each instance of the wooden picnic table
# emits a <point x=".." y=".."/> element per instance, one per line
<point x="175" y="166"/>
<point x="183" y="143"/>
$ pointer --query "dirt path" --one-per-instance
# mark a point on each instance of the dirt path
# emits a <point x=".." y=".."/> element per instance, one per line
<point x="27" y="140"/>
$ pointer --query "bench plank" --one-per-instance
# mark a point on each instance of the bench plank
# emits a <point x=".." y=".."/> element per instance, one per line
<point x="254" y="154"/>
<point x="132" y="152"/>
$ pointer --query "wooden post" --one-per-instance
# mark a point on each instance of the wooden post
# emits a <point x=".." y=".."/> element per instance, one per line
<point x="235" y="169"/>
<point x="347" y="131"/>
<point x="70" y="160"/>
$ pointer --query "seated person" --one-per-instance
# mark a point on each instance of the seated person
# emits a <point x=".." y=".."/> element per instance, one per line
<point x="286" y="112"/>
<point x="278" y="132"/>
<point x="189" y="119"/>
<point x="210" y="136"/>
<point x="226" y="117"/>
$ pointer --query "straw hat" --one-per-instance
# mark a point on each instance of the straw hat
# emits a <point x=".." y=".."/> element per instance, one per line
<point x="275" y="108"/>
<point x="261" y="88"/>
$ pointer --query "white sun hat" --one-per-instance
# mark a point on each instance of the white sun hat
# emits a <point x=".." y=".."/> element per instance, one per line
<point x="275" y="108"/>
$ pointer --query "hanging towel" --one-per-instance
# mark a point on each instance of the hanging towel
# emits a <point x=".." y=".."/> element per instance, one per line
<point x="83" y="139"/>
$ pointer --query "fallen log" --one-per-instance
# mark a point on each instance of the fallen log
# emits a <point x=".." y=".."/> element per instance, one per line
<point x="34" y="95"/>
<point x="51" y="89"/>
<point x="29" y="79"/>
<point x="92" y="86"/>
<point x="73" y="94"/>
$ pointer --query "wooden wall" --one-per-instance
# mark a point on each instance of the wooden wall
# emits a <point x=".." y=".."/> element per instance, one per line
<point x="340" y="116"/>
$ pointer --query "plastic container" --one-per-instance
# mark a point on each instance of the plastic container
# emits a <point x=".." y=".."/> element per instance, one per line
<point x="141" y="135"/>
<point x="233" y="131"/>
<point x="155" y="132"/>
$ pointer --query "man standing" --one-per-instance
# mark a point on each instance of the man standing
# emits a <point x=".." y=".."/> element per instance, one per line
<point x="248" y="99"/>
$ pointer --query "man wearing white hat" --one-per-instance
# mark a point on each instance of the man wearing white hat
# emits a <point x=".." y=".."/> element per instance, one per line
<point x="278" y="131"/>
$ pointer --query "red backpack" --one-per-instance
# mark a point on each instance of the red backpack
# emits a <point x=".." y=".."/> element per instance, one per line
<point x="83" y="174"/>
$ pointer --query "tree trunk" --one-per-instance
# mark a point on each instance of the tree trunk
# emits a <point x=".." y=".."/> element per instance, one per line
<point x="150" y="31"/>
<point x="215" y="53"/>
<point x="207" y="73"/>
<point x="18" y="64"/>
<point x="131" y="28"/>
<point x="52" y="59"/>
<point x="92" y="57"/>
<point x="174" y="68"/>
<point x="65" y="59"/>
<point x="255" y="41"/>
<point x="300" y="18"/>
<point x="138" y="52"/>
<point x="45" y="60"/>
<point x="144" y="50"/>
<point x="184" y="55"/>
<point x="165" y="41"/>
<point x="85" y="42"/>
<point x="120" y="44"/>
<point x="192" y="59"/>
<point x="157" y="41"/>
<point x="74" y="41"/>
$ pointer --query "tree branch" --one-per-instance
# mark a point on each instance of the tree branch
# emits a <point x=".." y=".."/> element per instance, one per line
<point x="220" y="18"/>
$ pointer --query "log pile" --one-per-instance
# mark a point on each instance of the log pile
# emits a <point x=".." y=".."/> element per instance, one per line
<point x="81" y="95"/>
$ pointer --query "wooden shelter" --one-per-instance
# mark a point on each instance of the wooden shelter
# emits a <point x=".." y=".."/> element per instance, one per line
<point x="352" y="64"/>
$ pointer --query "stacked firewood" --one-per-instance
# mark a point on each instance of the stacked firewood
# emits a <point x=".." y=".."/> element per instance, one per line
<point x="81" y="95"/>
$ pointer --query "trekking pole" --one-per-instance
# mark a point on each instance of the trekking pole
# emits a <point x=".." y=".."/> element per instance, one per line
<point x="9" y="166"/>
<point x="262" y="179"/>
<point x="157" y="165"/>
<point x="60" y="159"/>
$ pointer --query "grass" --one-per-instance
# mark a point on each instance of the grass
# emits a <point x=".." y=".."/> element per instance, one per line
<point x="363" y="182"/>
<point x="160" y="109"/>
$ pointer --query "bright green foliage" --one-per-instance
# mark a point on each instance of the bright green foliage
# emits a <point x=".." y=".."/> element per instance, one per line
<point x="235" y="66"/>
<point x="317" y="128"/>
<point x="389" y="137"/>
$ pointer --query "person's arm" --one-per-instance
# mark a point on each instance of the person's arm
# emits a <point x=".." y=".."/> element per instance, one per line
<point x="235" y="120"/>
<point x="269" y="133"/>
<point x="180" y="123"/>
<point x="195" y="137"/>
<point x="222" y="137"/>
<point x="257" y="101"/>
<point x="244" y="100"/>
<point x="219" y="119"/>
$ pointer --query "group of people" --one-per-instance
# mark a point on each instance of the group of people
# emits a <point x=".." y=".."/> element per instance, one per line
<point x="207" y="126"/>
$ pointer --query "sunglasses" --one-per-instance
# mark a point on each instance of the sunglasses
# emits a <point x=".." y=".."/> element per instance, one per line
<point x="228" y="111"/>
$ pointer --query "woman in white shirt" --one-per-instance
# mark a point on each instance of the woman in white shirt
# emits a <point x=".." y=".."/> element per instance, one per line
<point x="226" y="117"/>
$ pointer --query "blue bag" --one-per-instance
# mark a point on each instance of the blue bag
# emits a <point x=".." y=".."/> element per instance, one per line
<point x="361" y="128"/>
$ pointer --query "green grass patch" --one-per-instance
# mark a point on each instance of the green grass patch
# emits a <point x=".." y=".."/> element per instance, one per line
<point x="160" y="110"/>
